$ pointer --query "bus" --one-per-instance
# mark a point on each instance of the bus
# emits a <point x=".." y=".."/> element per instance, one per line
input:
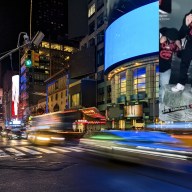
<point x="67" y="124"/>
<point x="53" y="127"/>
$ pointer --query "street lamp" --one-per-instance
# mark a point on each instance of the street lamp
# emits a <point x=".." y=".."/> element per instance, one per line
<point x="35" y="41"/>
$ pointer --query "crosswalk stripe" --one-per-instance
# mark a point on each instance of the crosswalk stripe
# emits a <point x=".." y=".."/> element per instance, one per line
<point x="3" y="154"/>
<point x="33" y="152"/>
<point x="58" y="149"/>
<point x="42" y="149"/>
<point x="15" y="152"/>
<point x="75" y="149"/>
<point x="18" y="151"/>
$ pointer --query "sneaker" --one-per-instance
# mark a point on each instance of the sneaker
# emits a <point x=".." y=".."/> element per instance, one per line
<point x="178" y="88"/>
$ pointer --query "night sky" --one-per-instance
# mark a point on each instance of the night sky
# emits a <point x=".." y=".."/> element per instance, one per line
<point x="14" y="18"/>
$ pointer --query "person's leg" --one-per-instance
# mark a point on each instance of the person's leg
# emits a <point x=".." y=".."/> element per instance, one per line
<point x="184" y="66"/>
<point x="164" y="78"/>
<point x="185" y="62"/>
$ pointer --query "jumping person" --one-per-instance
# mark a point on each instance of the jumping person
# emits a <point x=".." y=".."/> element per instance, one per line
<point x="169" y="44"/>
<point x="186" y="56"/>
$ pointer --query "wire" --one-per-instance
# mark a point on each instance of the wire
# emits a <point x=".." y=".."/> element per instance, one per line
<point x="10" y="55"/>
<point x="6" y="52"/>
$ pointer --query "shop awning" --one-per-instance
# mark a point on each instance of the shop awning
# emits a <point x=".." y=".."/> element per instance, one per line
<point x="93" y="112"/>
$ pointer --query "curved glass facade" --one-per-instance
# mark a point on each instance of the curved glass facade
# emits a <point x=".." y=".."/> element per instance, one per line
<point x="134" y="34"/>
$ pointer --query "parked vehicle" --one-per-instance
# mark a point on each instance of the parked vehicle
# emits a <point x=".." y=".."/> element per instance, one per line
<point x="15" y="134"/>
<point x="4" y="132"/>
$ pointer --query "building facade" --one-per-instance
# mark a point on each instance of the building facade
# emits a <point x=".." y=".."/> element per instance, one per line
<point x="132" y="67"/>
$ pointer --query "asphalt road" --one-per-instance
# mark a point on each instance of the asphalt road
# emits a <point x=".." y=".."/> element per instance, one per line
<point x="26" y="168"/>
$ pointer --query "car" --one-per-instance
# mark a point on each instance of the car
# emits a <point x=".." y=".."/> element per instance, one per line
<point x="14" y="134"/>
<point x="45" y="137"/>
<point x="23" y="133"/>
<point x="4" y="132"/>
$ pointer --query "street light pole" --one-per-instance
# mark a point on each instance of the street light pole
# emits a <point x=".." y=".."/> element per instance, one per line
<point x="35" y="41"/>
<point x="13" y="51"/>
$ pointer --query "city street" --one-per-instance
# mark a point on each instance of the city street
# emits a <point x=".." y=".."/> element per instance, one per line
<point x="71" y="169"/>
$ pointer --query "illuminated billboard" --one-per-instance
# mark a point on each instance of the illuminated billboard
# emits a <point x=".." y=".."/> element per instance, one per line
<point x="133" y="111"/>
<point x="134" y="34"/>
<point x="15" y="95"/>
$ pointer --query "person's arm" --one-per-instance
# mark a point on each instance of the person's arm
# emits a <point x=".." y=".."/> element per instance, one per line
<point x="184" y="30"/>
<point x="163" y="39"/>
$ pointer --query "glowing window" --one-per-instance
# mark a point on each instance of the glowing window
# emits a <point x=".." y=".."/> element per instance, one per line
<point x="75" y="100"/>
<point x="68" y="49"/>
<point x="45" y="44"/>
<point x="91" y="10"/>
<point x="139" y="80"/>
<point x="56" y="46"/>
<point x="122" y="83"/>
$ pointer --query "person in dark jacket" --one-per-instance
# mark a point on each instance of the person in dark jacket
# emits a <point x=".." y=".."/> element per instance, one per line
<point x="186" y="56"/>
<point x="169" y="44"/>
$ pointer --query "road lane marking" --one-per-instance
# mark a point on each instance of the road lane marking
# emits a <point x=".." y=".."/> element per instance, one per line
<point x="33" y="152"/>
<point x="15" y="152"/>
<point x="3" y="154"/>
<point x="59" y="149"/>
<point x="76" y="149"/>
<point x="42" y="149"/>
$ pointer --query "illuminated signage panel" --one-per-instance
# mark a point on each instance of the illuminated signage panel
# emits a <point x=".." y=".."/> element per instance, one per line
<point x="134" y="34"/>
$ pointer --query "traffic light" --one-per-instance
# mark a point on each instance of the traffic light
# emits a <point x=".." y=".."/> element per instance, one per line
<point x="28" y="61"/>
<point x="35" y="59"/>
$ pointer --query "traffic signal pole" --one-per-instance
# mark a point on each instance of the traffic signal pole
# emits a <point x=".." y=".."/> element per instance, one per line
<point x="13" y="51"/>
<point x="35" y="41"/>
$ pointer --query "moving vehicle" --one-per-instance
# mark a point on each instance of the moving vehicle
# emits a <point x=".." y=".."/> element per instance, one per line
<point x="53" y="127"/>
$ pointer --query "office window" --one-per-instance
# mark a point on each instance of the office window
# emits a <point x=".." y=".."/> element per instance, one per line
<point x="91" y="42"/>
<point x="100" y="57"/>
<point x="83" y="47"/>
<point x="75" y="100"/>
<point x="92" y="27"/>
<point x="122" y="83"/>
<point x="91" y="10"/>
<point x="100" y="4"/>
<point x="100" y="37"/>
<point x="56" y="46"/>
<point x="100" y="96"/>
<point x="100" y="76"/>
<point x="139" y="80"/>
<point x="100" y="20"/>
<point x="56" y="96"/>
<point x="56" y="85"/>
<point x="109" y="94"/>
<point x="45" y="44"/>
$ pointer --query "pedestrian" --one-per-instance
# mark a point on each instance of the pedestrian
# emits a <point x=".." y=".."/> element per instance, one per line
<point x="186" y="55"/>
<point x="169" y="44"/>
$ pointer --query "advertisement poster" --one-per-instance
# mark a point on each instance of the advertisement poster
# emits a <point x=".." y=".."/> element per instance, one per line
<point x="175" y="55"/>
<point x="133" y="111"/>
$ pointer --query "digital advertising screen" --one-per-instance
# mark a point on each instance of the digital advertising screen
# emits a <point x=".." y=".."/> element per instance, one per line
<point x="134" y="34"/>
<point x="175" y="55"/>
<point x="133" y="111"/>
<point x="15" y="95"/>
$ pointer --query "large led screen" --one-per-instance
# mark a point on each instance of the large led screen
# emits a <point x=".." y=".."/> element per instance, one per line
<point x="134" y="34"/>
<point x="175" y="71"/>
<point x="15" y="95"/>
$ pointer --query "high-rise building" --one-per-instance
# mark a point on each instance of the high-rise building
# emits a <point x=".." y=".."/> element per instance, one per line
<point x="51" y="56"/>
<point x="51" y="18"/>
<point x="90" y="58"/>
